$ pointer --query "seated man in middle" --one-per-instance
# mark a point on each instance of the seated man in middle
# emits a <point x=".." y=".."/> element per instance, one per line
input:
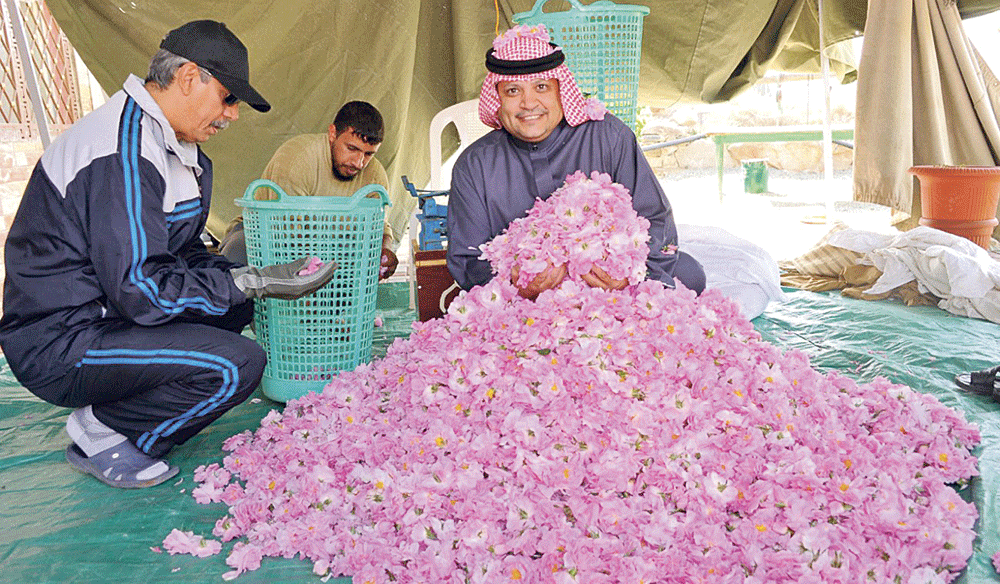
<point x="334" y="164"/>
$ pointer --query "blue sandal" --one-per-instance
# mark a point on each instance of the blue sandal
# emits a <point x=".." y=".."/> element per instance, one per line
<point x="118" y="466"/>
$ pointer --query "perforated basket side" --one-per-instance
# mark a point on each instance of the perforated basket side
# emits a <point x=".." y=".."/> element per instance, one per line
<point x="311" y="339"/>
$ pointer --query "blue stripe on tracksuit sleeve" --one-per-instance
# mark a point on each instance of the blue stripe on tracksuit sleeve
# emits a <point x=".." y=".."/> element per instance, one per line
<point x="184" y="211"/>
<point x="227" y="370"/>
<point x="133" y="201"/>
<point x="189" y="205"/>
<point x="173" y="218"/>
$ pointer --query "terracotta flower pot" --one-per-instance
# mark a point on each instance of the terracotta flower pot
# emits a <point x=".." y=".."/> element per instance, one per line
<point x="960" y="199"/>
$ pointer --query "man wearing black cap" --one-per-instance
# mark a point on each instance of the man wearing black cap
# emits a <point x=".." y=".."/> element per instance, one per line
<point x="112" y="304"/>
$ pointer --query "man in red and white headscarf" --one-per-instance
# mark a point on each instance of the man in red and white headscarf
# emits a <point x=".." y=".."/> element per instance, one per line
<point x="547" y="130"/>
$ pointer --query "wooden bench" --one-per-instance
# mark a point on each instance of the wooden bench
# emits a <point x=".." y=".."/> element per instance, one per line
<point x="723" y="136"/>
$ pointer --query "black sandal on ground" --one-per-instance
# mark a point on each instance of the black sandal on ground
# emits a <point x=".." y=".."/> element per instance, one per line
<point x="119" y="466"/>
<point x="983" y="382"/>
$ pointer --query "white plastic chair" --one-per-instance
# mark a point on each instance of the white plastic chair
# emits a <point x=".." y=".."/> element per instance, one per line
<point x="465" y="116"/>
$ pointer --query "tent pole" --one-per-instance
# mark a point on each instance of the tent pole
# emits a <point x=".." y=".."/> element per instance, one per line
<point x="29" y="72"/>
<point x="827" y="124"/>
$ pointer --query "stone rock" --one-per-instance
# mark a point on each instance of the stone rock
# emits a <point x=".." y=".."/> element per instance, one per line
<point x="697" y="154"/>
<point x="662" y="131"/>
<point x="793" y="156"/>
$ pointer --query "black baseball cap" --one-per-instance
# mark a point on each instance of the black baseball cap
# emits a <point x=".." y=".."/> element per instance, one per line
<point x="213" y="46"/>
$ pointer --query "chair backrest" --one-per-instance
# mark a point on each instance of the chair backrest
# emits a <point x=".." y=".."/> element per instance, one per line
<point x="465" y="116"/>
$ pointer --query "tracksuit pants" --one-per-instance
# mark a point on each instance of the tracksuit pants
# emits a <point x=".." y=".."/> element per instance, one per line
<point x="161" y="385"/>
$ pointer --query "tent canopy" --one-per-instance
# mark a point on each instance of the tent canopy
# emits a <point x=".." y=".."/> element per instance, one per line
<point x="412" y="58"/>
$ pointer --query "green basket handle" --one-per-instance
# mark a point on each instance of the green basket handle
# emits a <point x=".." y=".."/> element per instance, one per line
<point x="538" y="8"/>
<point x="599" y="6"/>
<point x="263" y="182"/>
<point x="359" y="194"/>
<point x="368" y="189"/>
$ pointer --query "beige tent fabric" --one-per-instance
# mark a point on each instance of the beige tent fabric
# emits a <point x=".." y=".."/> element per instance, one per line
<point x="709" y="52"/>
<point x="413" y="58"/>
<point x="842" y="16"/>
<point x="799" y="53"/>
<point x="924" y="97"/>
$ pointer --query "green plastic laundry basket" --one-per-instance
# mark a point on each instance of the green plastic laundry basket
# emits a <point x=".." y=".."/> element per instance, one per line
<point x="603" y="44"/>
<point x="309" y="340"/>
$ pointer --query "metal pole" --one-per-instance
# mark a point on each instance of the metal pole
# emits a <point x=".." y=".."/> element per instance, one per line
<point x="827" y="124"/>
<point x="29" y="72"/>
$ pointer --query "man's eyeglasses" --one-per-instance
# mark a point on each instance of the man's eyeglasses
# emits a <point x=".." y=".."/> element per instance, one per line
<point x="230" y="98"/>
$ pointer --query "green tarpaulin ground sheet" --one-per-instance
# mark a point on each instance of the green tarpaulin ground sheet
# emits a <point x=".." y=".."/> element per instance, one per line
<point x="62" y="526"/>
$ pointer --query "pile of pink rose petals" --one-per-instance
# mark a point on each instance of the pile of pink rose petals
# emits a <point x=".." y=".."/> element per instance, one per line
<point x="642" y="435"/>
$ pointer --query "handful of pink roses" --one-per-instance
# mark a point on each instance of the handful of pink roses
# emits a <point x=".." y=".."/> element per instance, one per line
<point x="585" y="223"/>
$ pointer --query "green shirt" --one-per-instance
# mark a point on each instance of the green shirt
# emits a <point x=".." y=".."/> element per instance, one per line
<point x="303" y="166"/>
